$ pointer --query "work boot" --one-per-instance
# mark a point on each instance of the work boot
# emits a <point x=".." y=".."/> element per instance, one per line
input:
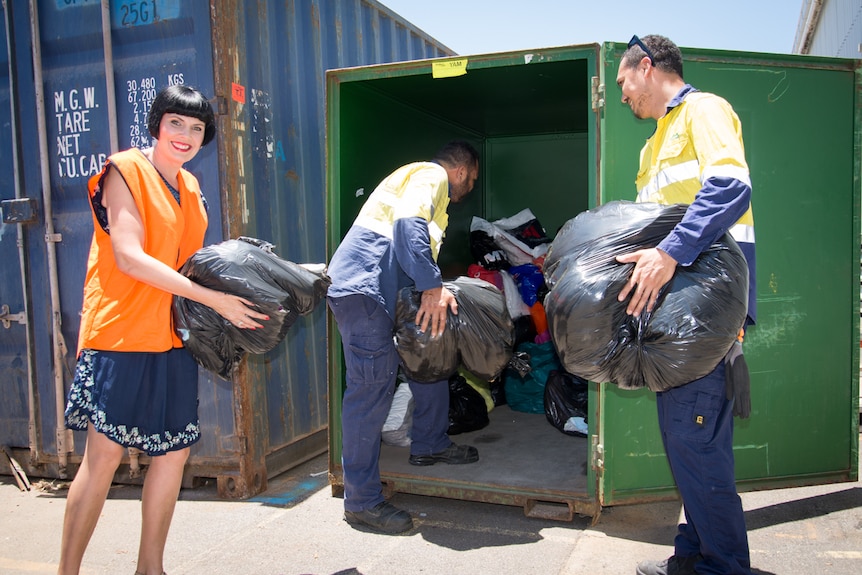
<point x="454" y="454"/>
<point x="383" y="518"/>
<point x="674" y="565"/>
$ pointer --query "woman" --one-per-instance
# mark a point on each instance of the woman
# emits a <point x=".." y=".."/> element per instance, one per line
<point x="135" y="385"/>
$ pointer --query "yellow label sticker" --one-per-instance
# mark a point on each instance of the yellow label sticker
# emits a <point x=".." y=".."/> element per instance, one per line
<point x="449" y="68"/>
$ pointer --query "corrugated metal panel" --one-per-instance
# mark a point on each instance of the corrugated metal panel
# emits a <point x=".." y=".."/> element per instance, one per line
<point x="277" y="138"/>
<point x="839" y="32"/>
<point x="830" y="28"/>
<point x="264" y="177"/>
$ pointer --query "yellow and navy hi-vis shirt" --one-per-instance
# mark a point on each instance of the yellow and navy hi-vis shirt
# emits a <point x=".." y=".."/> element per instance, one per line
<point x="396" y="238"/>
<point x="696" y="156"/>
<point x="418" y="190"/>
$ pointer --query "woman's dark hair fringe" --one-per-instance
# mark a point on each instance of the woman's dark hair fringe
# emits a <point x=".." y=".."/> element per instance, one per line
<point x="185" y="101"/>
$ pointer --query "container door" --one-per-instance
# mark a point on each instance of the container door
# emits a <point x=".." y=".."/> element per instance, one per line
<point x="65" y="116"/>
<point x="803" y="353"/>
<point x="14" y="364"/>
<point x="530" y="115"/>
<point x="95" y="75"/>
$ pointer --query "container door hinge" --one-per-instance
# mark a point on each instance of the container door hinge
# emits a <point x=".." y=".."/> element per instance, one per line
<point x="598" y="458"/>
<point x="597" y="92"/>
<point x="7" y="318"/>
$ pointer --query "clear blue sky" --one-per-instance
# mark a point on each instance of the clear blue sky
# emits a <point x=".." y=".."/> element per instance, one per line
<point x="481" y="26"/>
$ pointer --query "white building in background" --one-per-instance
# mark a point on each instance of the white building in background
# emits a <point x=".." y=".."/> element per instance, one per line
<point x="830" y="28"/>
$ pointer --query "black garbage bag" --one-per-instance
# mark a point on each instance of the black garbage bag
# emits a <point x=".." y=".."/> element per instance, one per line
<point x="525" y="330"/>
<point x="481" y="335"/>
<point x="695" y="320"/>
<point x="467" y="408"/>
<point x="248" y="268"/>
<point x="498" y="392"/>
<point x="565" y="397"/>
<point x="486" y="252"/>
<point x="424" y="359"/>
<point x="486" y="334"/>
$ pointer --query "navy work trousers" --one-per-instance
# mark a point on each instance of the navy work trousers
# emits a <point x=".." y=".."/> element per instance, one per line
<point x="371" y="364"/>
<point x="696" y="422"/>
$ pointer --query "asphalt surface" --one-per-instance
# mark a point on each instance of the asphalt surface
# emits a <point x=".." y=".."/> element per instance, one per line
<point x="296" y="528"/>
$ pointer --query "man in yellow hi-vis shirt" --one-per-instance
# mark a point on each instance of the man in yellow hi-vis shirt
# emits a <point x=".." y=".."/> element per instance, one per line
<point x="392" y="244"/>
<point x="695" y="157"/>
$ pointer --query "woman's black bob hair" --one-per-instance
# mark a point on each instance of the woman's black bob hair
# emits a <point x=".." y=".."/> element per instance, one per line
<point x="185" y="101"/>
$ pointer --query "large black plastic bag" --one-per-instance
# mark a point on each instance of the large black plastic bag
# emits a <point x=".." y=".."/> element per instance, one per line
<point x="248" y="268"/>
<point x="424" y="358"/>
<point x="565" y="397"/>
<point x="481" y="335"/>
<point x="467" y="408"/>
<point x="486" y="333"/>
<point x="696" y="319"/>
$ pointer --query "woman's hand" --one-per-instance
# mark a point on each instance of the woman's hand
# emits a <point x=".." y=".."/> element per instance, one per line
<point x="237" y="310"/>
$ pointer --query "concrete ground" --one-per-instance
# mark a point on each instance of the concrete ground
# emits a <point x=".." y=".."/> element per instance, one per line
<point x="296" y="528"/>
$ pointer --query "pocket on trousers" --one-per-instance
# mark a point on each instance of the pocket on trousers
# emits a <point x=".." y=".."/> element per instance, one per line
<point x="694" y="414"/>
<point x="368" y="366"/>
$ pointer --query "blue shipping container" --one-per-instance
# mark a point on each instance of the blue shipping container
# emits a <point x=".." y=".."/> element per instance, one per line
<point x="70" y="94"/>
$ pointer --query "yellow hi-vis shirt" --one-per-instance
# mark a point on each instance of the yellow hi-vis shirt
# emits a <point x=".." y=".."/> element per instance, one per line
<point x="676" y="161"/>
<point x="395" y="240"/>
<point x="696" y="156"/>
<point x="428" y="199"/>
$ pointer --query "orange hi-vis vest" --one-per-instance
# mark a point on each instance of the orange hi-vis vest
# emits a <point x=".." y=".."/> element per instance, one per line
<point x="119" y="312"/>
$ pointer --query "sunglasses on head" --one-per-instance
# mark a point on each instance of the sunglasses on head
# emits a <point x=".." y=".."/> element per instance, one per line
<point x="635" y="41"/>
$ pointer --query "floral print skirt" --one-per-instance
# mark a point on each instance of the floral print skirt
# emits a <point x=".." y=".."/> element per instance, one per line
<point x="144" y="400"/>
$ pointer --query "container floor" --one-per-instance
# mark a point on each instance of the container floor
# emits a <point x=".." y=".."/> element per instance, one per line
<point x="516" y="449"/>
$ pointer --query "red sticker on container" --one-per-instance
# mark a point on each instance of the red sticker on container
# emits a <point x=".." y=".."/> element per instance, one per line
<point x="238" y="93"/>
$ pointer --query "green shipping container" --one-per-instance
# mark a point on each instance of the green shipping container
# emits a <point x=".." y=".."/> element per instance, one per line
<point x="554" y="137"/>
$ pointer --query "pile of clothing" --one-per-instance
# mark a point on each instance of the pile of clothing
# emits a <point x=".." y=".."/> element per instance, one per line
<point x="498" y="349"/>
<point x="510" y="253"/>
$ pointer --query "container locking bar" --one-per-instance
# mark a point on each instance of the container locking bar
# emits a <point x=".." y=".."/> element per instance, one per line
<point x="7" y="318"/>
